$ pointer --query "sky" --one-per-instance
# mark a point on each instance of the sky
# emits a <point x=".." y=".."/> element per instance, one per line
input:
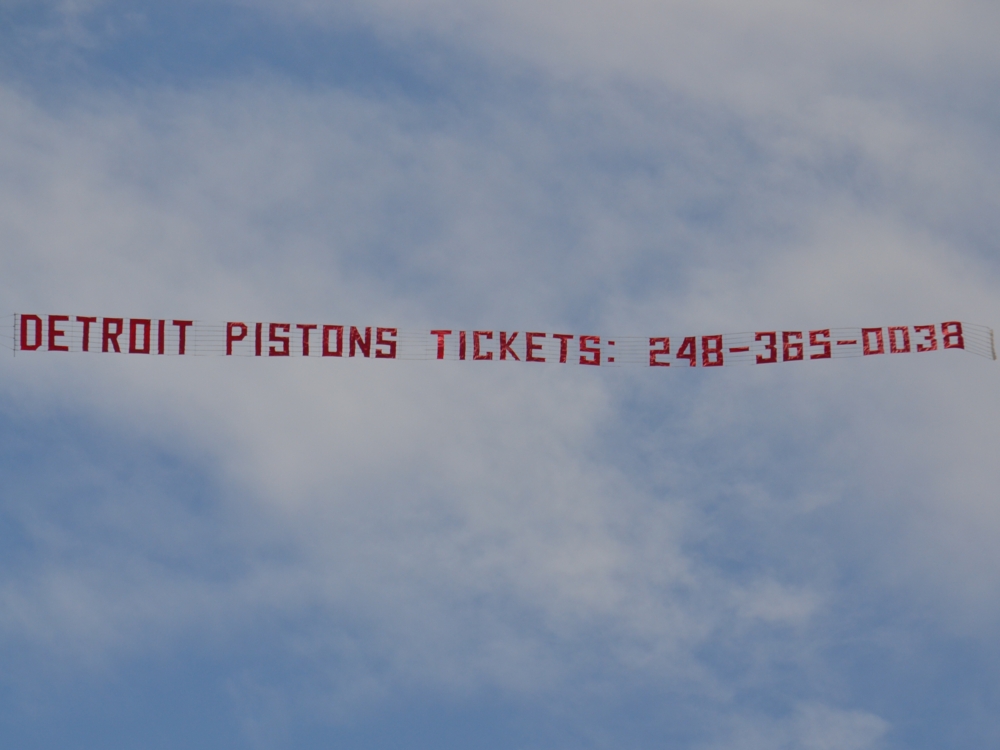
<point x="242" y="553"/>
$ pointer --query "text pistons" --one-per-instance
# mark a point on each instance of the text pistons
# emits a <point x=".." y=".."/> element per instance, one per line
<point x="150" y="336"/>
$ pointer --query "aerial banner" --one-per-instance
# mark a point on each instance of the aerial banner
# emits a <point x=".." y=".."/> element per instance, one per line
<point x="240" y="338"/>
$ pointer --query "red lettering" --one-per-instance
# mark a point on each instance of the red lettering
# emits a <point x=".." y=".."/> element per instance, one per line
<point x="505" y="345"/>
<point x="771" y="346"/>
<point x="461" y="344"/>
<point x="440" y="335"/>
<point x="475" y="344"/>
<point x="55" y="333"/>
<point x="595" y="352"/>
<point x="182" y="326"/>
<point x="654" y="353"/>
<point x="160" y="336"/>
<point x="24" y="332"/>
<point x="866" y="340"/>
<point x="815" y="340"/>
<point x="564" y="339"/>
<point x="391" y="343"/>
<point x="86" y="331"/>
<point x="133" y="328"/>
<point x="273" y="337"/>
<point x="340" y="341"/>
<point x="707" y="351"/>
<point x="903" y="347"/>
<point x="110" y="337"/>
<point x="530" y="347"/>
<point x="305" y="328"/>
<point x="792" y="347"/>
<point x="230" y="337"/>
<point x="258" y="335"/>
<point x="929" y="343"/>
<point x="951" y="335"/>
<point x="365" y="344"/>
<point x="689" y="350"/>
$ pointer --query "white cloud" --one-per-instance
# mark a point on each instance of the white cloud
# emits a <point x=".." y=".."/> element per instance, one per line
<point x="810" y="727"/>
<point x="506" y="526"/>
<point x="760" y="54"/>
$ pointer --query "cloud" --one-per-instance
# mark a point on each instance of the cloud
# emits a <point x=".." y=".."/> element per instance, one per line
<point x="550" y="535"/>
<point x="722" y="48"/>
<point x="810" y="727"/>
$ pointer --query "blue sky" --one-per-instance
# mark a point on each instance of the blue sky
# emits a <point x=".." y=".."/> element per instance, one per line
<point x="249" y="554"/>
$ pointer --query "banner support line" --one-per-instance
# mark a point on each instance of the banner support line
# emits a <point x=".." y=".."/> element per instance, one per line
<point x="82" y="333"/>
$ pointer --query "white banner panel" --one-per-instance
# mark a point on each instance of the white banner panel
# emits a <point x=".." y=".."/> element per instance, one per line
<point x="181" y="337"/>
